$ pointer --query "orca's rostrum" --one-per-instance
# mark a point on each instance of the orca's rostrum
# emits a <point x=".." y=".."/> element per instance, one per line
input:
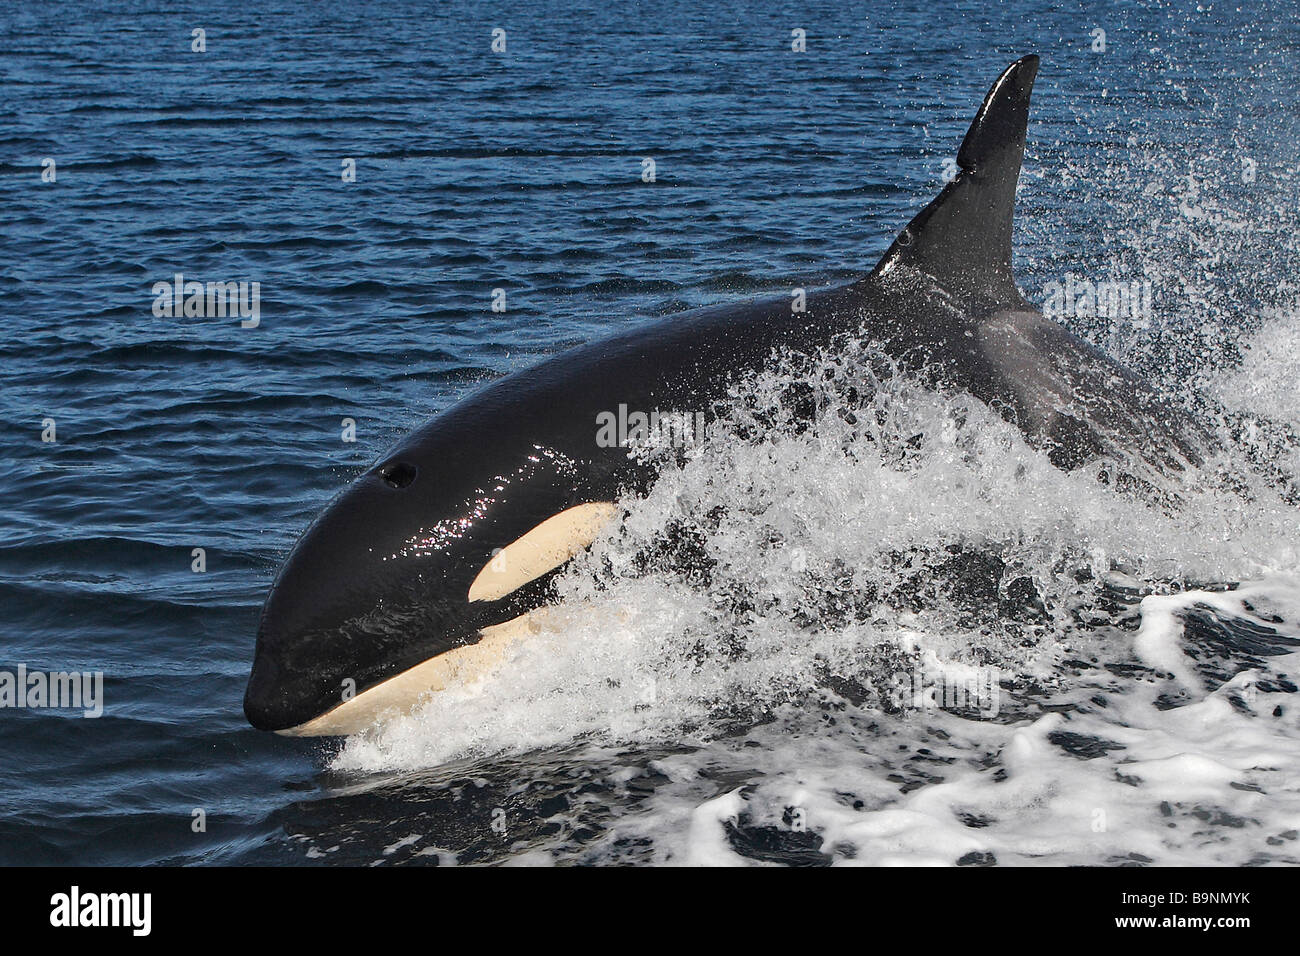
<point x="430" y="562"/>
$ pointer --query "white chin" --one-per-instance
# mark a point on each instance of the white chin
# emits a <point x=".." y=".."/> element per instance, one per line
<point x="401" y="693"/>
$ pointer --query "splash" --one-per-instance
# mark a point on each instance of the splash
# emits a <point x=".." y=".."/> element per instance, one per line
<point x="839" y="527"/>
<point x="754" y="664"/>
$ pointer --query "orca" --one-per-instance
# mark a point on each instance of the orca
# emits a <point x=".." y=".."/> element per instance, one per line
<point x="426" y="568"/>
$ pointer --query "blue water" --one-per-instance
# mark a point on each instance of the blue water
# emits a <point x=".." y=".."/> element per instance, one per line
<point x="476" y="171"/>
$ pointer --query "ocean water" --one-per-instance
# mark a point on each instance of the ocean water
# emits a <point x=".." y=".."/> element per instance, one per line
<point x="929" y="648"/>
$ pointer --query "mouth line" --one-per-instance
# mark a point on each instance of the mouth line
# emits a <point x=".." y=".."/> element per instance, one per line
<point x="401" y="693"/>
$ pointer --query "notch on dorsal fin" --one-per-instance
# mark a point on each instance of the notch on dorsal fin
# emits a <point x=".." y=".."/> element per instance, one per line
<point x="963" y="239"/>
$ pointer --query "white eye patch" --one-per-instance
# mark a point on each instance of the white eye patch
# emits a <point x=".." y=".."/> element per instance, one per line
<point x="542" y="549"/>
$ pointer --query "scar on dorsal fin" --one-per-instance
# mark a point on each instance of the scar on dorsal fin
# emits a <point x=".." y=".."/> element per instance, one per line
<point x="963" y="238"/>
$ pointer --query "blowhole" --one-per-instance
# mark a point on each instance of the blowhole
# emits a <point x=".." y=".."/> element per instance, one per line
<point x="398" y="474"/>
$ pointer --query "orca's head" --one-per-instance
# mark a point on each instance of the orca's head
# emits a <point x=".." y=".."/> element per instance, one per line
<point x="389" y="593"/>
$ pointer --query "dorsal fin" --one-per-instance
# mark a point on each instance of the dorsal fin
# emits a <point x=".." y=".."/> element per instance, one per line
<point x="963" y="238"/>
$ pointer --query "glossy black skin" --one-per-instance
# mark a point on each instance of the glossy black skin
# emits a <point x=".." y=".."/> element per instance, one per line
<point x="379" y="583"/>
